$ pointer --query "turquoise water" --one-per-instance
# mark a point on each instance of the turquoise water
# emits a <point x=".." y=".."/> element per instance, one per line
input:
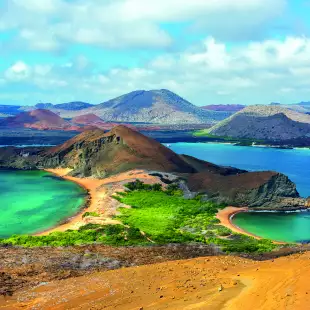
<point x="289" y="227"/>
<point x="294" y="163"/>
<point x="32" y="201"/>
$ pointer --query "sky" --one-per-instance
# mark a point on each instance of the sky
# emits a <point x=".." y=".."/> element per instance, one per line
<point x="207" y="51"/>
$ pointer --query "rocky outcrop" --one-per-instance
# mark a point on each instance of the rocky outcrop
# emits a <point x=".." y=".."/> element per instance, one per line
<point x="266" y="190"/>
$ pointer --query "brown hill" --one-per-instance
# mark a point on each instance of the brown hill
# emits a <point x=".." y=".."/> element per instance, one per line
<point x="100" y="154"/>
<point x="87" y="119"/>
<point x="37" y="119"/>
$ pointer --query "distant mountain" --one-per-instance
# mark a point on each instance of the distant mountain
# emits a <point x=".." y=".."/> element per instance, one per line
<point x="9" y="110"/>
<point x="44" y="106"/>
<point x="303" y="103"/>
<point x="37" y="119"/>
<point x="224" y="107"/>
<point x="265" y="123"/>
<point x="154" y="106"/>
<point x="73" y="106"/>
<point x="69" y="106"/>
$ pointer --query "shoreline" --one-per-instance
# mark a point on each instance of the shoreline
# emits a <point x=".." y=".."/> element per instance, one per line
<point x="99" y="199"/>
<point x="90" y="205"/>
<point x="225" y="216"/>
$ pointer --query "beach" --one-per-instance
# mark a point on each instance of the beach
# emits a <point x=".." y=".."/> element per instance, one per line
<point x="225" y="215"/>
<point x="99" y="197"/>
<point x="99" y="200"/>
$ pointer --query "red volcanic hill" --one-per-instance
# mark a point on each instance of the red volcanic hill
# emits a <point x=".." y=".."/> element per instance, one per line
<point x="40" y="119"/>
<point x="100" y="154"/>
<point x="87" y="119"/>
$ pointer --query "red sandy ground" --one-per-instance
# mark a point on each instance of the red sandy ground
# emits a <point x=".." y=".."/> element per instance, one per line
<point x="203" y="283"/>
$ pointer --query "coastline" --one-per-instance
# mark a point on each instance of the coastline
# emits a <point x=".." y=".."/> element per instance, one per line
<point x="99" y="198"/>
<point x="91" y="205"/>
<point x="225" y="215"/>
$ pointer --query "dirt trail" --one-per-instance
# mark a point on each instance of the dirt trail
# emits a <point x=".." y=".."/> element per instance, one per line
<point x="228" y="283"/>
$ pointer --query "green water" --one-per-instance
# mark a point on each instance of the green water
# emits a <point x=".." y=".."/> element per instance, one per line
<point x="288" y="227"/>
<point x="32" y="201"/>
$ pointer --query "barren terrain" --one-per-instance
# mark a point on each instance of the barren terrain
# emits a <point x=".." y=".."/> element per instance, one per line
<point x="203" y="283"/>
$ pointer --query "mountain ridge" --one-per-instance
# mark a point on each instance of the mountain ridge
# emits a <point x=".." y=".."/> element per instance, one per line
<point x="140" y="106"/>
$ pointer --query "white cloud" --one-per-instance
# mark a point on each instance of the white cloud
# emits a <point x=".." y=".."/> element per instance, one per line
<point x="53" y="24"/>
<point x="261" y="72"/>
<point x="18" y="71"/>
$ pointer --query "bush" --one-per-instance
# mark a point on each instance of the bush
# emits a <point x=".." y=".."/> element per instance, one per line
<point x="139" y="185"/>
<point x="94" y="214"/>
<point x="88" y="234"/>
<point x="223" y="231"/>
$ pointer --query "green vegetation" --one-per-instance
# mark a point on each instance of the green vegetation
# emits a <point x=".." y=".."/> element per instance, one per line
<point x="94" y="214"/>
<point x="158" y="216"/>
<point x="88" y="234"/>
<point x="165" y="217"/>
<point x="242" y="244"/>
<point x="140" y="186"/>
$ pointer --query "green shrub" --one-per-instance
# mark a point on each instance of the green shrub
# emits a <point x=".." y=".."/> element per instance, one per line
<point x="139" y="185"/>
<point x="223" y="231"/>
<point x="88" y="234"/>
<point x="94" y="214"/>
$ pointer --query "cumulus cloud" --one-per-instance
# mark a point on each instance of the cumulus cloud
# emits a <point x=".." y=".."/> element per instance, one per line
<point x="261" y="72"/>
<point x="53" y="24"/>
<point x="17" y="72"/>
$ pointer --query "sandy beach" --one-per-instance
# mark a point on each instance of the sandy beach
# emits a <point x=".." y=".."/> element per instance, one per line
<point x="100" y="201"/>
<point x="225" y="215"/>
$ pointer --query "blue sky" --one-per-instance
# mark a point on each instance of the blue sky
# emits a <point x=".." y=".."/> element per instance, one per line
<point x="210" y="52"/>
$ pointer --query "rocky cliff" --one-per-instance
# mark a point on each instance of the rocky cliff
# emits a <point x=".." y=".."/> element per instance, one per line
<point x="266" y="189"/>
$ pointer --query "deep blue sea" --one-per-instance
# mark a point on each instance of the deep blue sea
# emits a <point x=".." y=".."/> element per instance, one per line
<point x="294" y="163"/>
